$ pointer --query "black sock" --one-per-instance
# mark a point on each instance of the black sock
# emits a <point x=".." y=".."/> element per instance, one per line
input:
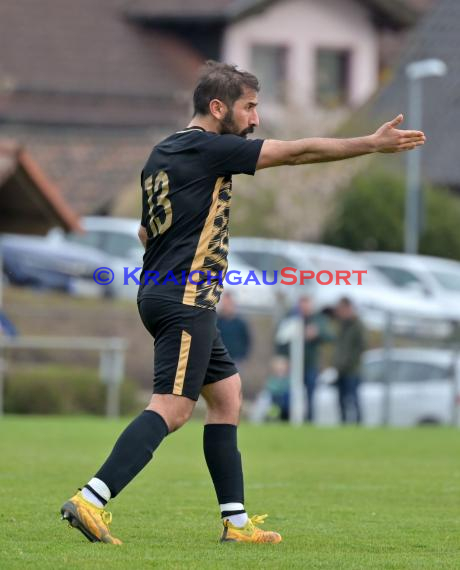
<point x="133" y="450"/>
<point x="224" y="463"/>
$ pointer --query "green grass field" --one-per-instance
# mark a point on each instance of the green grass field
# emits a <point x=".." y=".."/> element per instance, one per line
<point x="342" y="498"/>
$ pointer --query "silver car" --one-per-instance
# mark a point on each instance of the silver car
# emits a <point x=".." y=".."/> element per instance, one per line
<point x="423" y="276"/>
<point x="117" y="238"/>
<point x="423" y="388"/>
<point x="374" y="298"/>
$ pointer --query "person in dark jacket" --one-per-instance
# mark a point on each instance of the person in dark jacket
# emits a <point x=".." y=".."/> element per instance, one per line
<point x="234" y="330"/>
<point x="7" y="328"/>
<point x="350" y="345"/>
<point x="317" y="330"/>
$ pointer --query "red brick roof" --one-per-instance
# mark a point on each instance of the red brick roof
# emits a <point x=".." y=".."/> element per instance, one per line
<point x="90" y="166"/>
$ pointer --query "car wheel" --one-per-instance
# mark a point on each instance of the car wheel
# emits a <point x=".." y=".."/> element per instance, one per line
<point x="429" y="421"/>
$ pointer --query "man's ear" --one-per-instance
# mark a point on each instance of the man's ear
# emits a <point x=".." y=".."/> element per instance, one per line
<point x="218" y="109"/>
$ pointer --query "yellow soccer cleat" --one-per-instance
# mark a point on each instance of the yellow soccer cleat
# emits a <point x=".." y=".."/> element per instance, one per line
<point x="249" y="532"/>
<point x="90" y="520"/>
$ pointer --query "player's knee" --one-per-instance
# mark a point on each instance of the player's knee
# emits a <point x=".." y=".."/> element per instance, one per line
<point x="175" y="410"/>
<point x="232" y="403"/>
<point x="227" y="410"/>
<point x="177" y="419"/>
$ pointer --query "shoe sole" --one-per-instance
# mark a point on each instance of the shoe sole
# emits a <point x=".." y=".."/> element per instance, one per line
<point x="69" y="514"/>
<point x="224" y="538"/>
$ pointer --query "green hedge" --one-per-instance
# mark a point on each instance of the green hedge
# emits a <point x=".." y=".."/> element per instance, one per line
<point x="370" y="216"/>
<point x="59" y="389"/>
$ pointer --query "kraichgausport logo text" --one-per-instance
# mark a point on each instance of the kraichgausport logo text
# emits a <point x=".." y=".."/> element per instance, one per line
<point x="286" y="276"/>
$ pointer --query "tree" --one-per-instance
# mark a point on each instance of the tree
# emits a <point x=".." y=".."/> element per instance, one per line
<point x="370" y="216"/>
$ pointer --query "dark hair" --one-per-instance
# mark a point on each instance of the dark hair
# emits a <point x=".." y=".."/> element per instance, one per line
<point x="221" y="81"/>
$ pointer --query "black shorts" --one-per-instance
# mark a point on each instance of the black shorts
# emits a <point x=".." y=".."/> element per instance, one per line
<point x="188" y="348"/>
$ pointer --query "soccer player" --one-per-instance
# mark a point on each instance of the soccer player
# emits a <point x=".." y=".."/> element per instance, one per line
<point x="186" y="189"/>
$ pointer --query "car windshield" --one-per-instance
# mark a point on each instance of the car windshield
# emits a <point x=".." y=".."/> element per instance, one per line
<point x="90" y="239"/>
<point x="373" y="371"/>
<point x="271" y="262"/>
<point x="404" y="371"/>
<point x="351" y="264"/>
<point x="400" y="277"/>
<point x="449" y="280"/>
<point x="122" y="245"/>
<point x="114" y="243"/>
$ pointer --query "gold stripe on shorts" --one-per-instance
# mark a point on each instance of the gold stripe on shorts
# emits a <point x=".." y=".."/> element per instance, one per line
<point x="185" y="341"/>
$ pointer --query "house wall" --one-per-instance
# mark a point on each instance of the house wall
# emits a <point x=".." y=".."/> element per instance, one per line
<point x="303" y="26"/>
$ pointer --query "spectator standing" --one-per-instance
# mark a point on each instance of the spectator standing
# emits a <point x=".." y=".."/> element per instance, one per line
<point x="317" y="331"/>
<point x="7" y="328"/>
<point x="272" y="403"/>
<point x="350" y="345"/>
<point x="234" y="330"/>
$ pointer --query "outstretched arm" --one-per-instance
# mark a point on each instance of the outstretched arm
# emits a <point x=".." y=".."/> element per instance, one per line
<point x="388" y="138"/>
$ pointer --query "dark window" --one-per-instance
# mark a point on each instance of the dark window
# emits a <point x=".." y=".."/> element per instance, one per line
<point x="88" y="238"/>
<point x="269" y="63"/>
<point x="400" y="277"/>
<point x="121" y="245"/>
<point x="265" y="261"/>
<point x="419" y="372"/>
<point x="271" y="262"/>
<point x="332" y="77"/>
<point x="372" y="371"/>
<point x="404" y="371"/>
<point x="350" y="264"/>
<point x="448" y="279"/>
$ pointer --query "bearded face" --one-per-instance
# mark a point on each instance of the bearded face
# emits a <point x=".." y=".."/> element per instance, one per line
<point x="230" y="127"/>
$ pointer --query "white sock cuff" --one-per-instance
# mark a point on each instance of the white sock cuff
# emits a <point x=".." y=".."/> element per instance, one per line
<point x="100" y="487"/>
<point x="231" y="507"/>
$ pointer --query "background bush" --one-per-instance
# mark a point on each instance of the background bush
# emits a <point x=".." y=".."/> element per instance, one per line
<point x="370" y="216"/>
<point x="60" y="389"/>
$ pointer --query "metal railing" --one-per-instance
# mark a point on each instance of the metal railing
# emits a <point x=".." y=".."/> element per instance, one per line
<point x="111" y="360"/>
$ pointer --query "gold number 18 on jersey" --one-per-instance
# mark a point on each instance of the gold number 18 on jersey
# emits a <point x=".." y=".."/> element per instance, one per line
<point x="160" y="211"/>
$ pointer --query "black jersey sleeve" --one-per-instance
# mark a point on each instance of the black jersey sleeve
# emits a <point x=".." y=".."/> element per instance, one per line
<point x="230" y="154"/>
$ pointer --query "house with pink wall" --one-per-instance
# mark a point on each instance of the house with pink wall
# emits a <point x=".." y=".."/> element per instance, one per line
<point x="319" y="55"/>
<point x="91" y="86"/>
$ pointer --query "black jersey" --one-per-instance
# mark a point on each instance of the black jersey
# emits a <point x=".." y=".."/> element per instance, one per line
<point x="186" y="190"/>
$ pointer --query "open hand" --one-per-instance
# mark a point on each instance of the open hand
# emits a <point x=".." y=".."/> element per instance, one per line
<point x="388" y="138"/>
